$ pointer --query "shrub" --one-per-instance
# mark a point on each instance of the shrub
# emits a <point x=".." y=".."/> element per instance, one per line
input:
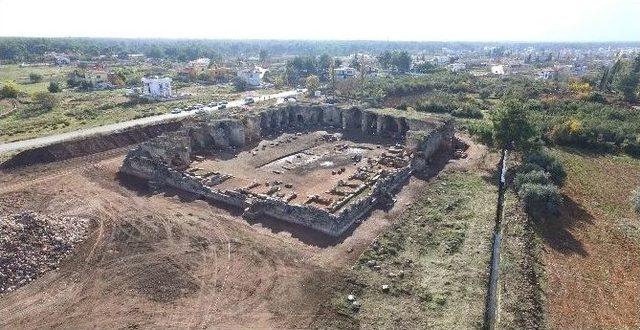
<point x="485" y="93"/>
<point x="54" y="87"/>
<point x="240" y="84"/>
<point x="35" y="78"/>
<point x="540" y="198"/>
<point x="45" y="100"/>
<point x="467" y="113"/>
<point x="550" y="164"/>
<point x="9" y="90"/>
<point x="528" y="167"/>
<point x="482" y="131"/>
<point x="635" y="200"/>
<point x="534" y="176"/>
<point x="596" y="97"/>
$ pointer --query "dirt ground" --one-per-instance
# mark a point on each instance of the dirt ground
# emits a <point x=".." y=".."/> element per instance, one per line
<point x="301" y="164"/>
<point x="169" y="260"/>
<point x="592" y="252"/>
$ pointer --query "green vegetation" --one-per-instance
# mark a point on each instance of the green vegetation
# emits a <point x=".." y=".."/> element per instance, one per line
<point x="511" y="127"/>
<point x="399" y="61"/>
<point x="434" y="260"/>
<point x="9" y="90"/>
<point x="536" y="182"/>
<point x="39" y="111"/>
<point x="54" y="87"/>
<point x="44" y="100"/>
<point x="35" y="78"/>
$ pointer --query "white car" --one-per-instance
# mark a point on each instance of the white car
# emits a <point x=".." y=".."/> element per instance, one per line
<point x="176" y="110"/>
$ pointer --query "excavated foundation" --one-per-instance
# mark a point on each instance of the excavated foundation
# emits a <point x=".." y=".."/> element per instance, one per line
<point x="269" y="162"/>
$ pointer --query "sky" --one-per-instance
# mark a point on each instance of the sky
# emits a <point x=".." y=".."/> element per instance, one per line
<point x="416" y="20"/>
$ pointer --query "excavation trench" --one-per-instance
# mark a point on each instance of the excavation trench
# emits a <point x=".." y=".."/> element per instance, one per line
<point x="491" y="304"/>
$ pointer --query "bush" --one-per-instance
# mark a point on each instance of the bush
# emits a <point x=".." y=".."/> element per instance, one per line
<point x="540" y="198"/>
<point x="596" y="97"/>
<point x="467" y="113"/>
<point x="482" y="131"/>
<point x="54" y="87"/>
<point x="239" y="84"/>
<point x="550" y="164"/>
<point x="635" y="200"/>
<point x="45" y="100"/>
<point x="534" y="176"/>
<point x="528" y="167"/>
<point x="35" y="78"/>
<point x="9" y="90"/>
<point x="485" y="93"/>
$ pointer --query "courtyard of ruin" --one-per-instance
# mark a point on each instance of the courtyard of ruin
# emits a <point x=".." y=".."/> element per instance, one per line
<point x="321" y="169"/>
<point x="317" y="165"/>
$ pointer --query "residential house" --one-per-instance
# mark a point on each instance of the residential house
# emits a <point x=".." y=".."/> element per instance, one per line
<point x="457" y="67"/>
<point x="96" y="77"/>
<point x="499" y="70"/>
<point x="252" y="76"/>
<point x="344" y="73"/>
<point x="156" y="87"/>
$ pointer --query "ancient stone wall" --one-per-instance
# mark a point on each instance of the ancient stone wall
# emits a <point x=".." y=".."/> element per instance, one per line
<point x="162" y="159"/>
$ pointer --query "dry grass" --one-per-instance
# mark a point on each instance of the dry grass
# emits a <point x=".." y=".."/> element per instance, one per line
<point x="435" y="260"/>
<point x="592" y="252"/>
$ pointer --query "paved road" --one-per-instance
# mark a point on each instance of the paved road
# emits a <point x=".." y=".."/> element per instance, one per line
<point x="46" y="140"/>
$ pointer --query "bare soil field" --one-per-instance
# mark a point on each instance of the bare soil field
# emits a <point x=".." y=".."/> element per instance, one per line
<point x="160" y="260"/>
<point x="591" y="254"/>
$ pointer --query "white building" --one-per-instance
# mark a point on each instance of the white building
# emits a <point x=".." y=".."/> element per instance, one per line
<point x="156" y="87"/>
<point x="457" y="67"/>
<point x="343" y="73"/>
<point x="441" y="60"/>
<point x="499" y="70"/>
<point x="252" y="76"/>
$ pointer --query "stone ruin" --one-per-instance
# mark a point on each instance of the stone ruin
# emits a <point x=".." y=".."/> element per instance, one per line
<point x="165" y="160"/>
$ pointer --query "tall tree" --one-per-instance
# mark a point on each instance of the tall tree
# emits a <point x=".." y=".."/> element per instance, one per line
<point x="512" y="128"/>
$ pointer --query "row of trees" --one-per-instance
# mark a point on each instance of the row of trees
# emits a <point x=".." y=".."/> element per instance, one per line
<point x="399" y="61"/>
<point x="623" y="76"/>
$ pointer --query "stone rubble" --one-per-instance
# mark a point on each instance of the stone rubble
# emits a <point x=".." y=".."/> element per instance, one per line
<point x="32" y="243"/>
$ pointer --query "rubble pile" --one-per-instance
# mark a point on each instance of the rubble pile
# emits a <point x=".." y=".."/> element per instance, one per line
<point x="32" y="243"/>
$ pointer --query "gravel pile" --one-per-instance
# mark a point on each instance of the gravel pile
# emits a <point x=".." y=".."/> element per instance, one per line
<point x="32" y="243"/>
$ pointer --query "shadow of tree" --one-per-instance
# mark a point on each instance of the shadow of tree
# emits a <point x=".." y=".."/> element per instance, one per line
<point x="556" y="230"/>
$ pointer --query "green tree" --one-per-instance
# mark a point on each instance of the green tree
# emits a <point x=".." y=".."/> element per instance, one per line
<point x="263" y="55"/>
<point x="54" y="87"/>
<point x="402" y="61"/>
<point x="9" y="90"/>
<point x="629" y="82"/>
<point x="425" y="67"/>
<point x="240" y="84"/>
<point x="312" y="82"/>
<point x="45" y="100"/>
<point x="385" y="59"/>
<point x="512" y="128"/>
<point x="324" y="63"/>
<point x="35" y="78"/>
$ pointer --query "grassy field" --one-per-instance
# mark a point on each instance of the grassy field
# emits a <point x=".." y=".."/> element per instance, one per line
<point x="592" y="250"/>
<point x="435" y="261"/>
<point x="81" y="109"/>
<point x="520" y="295"/>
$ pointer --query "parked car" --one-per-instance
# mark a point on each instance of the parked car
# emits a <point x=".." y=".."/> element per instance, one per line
<point x="249" y="100"/>
<point x="198" y="105"/>
<point x="222" y="106"/>
<point x="223" y="102"/>
<point x="176" y="110"/>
